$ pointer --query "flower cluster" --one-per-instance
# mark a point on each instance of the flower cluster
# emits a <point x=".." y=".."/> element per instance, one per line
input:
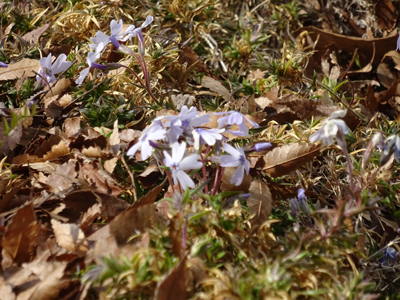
<point x="168" y="138"/>
<point x="101" y="40"/>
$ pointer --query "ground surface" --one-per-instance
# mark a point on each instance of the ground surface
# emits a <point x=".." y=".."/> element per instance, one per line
<point x="84" y="216"/>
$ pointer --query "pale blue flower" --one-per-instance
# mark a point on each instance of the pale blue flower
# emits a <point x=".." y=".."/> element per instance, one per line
<point x="261" y="146"/>
<point x="187" y="120"/>
<point x="392" y="146"/>
<point x="389" y="256"/>
<point x="398" y="43"/>
<point x="206" y="136"/>
<point x="237" y="158"/>
<point x="101" y="39"/>
<point x="90" y="59"/>
<point x="330" y="128"/>
<point x="48" y="70"/>
<point x="178" y="165"/>
<point x="153" y="132"/>
<point x="3" y="65"/>
<point x="235" y="117"/>
<point x="138" y="32"/>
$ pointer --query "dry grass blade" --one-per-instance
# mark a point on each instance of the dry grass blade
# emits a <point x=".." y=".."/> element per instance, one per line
<point x="287" y="158"/>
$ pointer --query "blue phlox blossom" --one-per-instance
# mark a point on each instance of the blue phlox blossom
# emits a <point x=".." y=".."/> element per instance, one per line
<point x="153" y="132"/>
<point x="3" y="65"/>
<point x="206" y="136"/>
<point x="187" y="120"/>
<point x="138" y="31"/>
<point x="398" y="43"/>
<point x="178" y="165"/>
<point x="392" y="146"/>
<point x="237" y="158"/>
<point x="235" y="117"/>
<point x="301" y="195"/>
<point x="261" y="146"/>
<point x="101" y="39"/>
<point x="48" y="70"/>
<point x="90" y="59"/>
<point x="389" y="256"/>
<point x="331" y="128"/>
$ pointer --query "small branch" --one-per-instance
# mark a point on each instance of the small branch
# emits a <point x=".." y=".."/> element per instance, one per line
<point x="131" y="176"/>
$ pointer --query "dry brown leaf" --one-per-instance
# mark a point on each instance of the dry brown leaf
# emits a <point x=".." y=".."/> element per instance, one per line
<point x="395" y="56"/>
<point x="216" y="86"/>
<point x="25" y="66"/>
<point x="70" y="237"/>
<point x="110" y="164"/>
<point x="51" y="280"/>
<point x="226" y="185"/>
<point x="72" y="126"/>
<point x="115" y="139"/>
<point x="260" y="201"/>
<point x="20" y="239"/>
<point x="287" y="158"/>
<point x="92" y="171"/>
<point x="173" y="285"/>
<point x="181" y="100"/>
<point x="136" y="219"/>
<point x="349" y="44"/>
<point x="34" y="35"/>
<point x="6" y="290"/>
<point x="89" y="216"/>
<point x="10" y="141"/>
<point x="175" y="232"/>
<point x="63" y="177"/>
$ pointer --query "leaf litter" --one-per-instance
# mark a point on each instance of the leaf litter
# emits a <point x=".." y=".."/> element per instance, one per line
<point x="80" y="219"/>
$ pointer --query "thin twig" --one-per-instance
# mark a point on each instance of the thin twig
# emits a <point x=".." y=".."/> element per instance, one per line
<point x="131" y="176"/>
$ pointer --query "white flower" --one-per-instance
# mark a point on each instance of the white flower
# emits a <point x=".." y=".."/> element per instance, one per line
<point x="208" y="136"/>
<point x="392" y="146"/>
<point x="237" y="158"/>
<point x="153" y="132"/>
<point x="48" y="70"/>
<point x="91" y="58"/>
<point x="330" y="128"/>
<point x="178" y="165"/>
<point x="138" y="31"/>
<point x="186" y="120"/>
<point x="101" y="39"/>
<point x="235" y="117"/>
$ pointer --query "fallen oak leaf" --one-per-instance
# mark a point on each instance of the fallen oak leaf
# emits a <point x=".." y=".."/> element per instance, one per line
<point x="24" y="67"/>
<point x="173" y="285"/>
<point x="20" y="239"/>
<point x="287" y="158"/>
<point x="260" y="202"/>
<point x="70" y="237"/>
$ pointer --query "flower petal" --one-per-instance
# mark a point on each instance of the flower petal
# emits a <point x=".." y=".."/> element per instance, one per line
<point x="46" y="61"/>
<point x="100" y="38"/>
<point x="228" y="161"/>
<point x="148" y="20"/>
<point x="184" y="179"/>
<point x="132" y="150"/>
<point x="190" y="163"/>
<point x="232" y="151"/>
<point x="61" y="64"/>
<point x="116" y="27"/>
<point x="82" y="76"/>
<point x="237" y="178"/>
<point x="178" y="150"/>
